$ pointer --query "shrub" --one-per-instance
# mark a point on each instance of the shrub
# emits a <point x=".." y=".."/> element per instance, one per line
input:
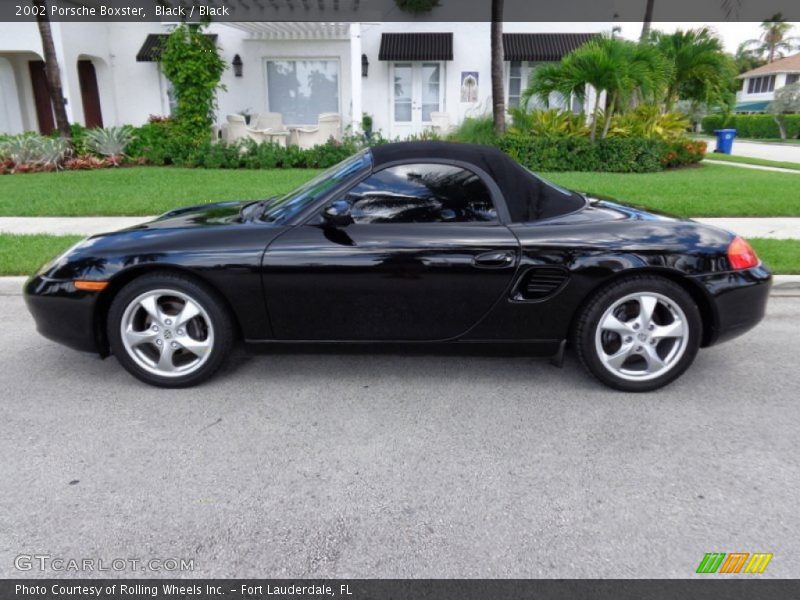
<point x="752" y="126"/>
<point x="647" y="121"/>
<point x="551" y="123"/>
<point x="682" y="153"/>
<point x="619" y="155"/>
<point x="32" y="152"/>
<point x="476" y="130"/>
<point x="109" y="142"/>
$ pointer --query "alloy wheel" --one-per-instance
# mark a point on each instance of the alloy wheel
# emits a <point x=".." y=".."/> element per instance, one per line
<point x="641" y="336"/>
<point x="167" y="332"/>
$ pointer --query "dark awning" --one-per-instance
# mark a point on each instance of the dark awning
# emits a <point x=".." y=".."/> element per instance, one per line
<point x="542" y="46"/>
<point x="416" y="46"/>
<point x="153" y="46"/>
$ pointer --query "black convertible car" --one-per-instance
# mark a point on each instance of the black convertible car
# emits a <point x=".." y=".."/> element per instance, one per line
<point x="420" y="242"/>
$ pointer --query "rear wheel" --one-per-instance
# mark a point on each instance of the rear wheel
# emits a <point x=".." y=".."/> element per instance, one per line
<point x="169" y="330"/>
<point x="639" y="334"/>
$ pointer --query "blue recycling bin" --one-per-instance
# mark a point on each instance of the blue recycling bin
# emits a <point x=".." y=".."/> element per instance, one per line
<point x="725" y="139"/>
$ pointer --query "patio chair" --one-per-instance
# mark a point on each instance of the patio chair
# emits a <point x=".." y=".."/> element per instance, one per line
<point x="270" y="124"/>
<point x="308" y="137"/>
<point x="236" y="129"/>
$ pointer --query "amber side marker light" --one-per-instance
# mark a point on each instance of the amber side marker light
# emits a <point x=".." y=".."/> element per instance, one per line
<point x="741" y="255"/>
<point x="91" y="286"/>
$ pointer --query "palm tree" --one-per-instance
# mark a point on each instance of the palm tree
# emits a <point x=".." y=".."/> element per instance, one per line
<point x="52" y="71"/>
<point x="498" y="95"/>
<point x="701" y="70"/>
<point x="773" y="41"/>
<point x="614" y="66"/>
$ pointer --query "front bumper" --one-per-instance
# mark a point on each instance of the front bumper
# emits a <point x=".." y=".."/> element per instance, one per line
<point x="62" y="313"/>
<point x="738" y="299"/>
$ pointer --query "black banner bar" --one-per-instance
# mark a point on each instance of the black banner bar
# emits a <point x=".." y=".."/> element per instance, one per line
<point x="735" y="588"/>
<point x="390" y="10"/>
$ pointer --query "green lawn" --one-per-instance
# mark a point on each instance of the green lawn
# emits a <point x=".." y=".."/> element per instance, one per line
<point x="137" y="190"/>
<point x="23" y="254"/>
<point x="755" y="161"/>
<point x="706" y="191"/>
<point x="782" y="256"/>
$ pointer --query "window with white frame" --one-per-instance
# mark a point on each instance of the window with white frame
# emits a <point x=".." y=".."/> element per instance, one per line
<point x="514" y="70"/>
<point x="302" y="89"/>
<point x="792" y="78"/>
<point x="759" y="85"/>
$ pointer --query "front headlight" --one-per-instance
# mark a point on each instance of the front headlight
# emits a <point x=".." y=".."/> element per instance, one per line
<point x="61" y="258"/>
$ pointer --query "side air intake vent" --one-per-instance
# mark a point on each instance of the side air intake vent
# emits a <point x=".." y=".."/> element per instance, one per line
<point x="541" y="282"/>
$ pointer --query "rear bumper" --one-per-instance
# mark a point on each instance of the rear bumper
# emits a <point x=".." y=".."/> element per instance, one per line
<point x="739" y="301"/>
<point x="62" y="313"/>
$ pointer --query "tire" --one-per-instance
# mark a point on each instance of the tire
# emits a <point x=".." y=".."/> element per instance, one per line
<point x="620" y="346"/>
<point x="169" y="330"/>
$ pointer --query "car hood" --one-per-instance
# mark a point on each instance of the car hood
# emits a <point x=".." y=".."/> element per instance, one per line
<point x="202" y="215"/>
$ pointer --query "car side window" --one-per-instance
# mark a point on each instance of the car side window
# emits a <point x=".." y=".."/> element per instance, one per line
<point x="421" y="193"/>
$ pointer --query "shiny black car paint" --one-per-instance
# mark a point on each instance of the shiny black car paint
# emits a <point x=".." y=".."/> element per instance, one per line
<point x="421" y="282"/>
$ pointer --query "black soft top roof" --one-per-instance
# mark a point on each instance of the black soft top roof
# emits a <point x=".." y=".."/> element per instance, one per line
<point x="527" y="197"/>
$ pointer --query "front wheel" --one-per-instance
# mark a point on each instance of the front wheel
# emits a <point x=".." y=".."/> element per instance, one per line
<point x="639" y="334"/>
<point x="169" y="330"/>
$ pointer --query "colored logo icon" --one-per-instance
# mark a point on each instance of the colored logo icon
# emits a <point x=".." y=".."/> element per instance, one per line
<point x="736" y="562"/>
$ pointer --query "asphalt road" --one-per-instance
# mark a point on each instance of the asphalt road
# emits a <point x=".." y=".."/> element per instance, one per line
<point x="346" y="465"/>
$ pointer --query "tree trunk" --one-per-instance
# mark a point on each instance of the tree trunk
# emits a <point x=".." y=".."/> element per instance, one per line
<point x="498" y="94"/>
<point x="648" y="20"/>
<point x="593" y="133"/>
<point x="52" y="71"/>
<point x="781" y="126"/>
<point x="609" y="113"/>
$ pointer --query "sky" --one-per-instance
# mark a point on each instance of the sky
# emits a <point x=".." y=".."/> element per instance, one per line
<point x="732" y="34"/>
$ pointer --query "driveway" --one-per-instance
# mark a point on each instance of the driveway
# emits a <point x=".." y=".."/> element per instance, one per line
<point x="390" y="465"/>
<point x="780" y="152"/>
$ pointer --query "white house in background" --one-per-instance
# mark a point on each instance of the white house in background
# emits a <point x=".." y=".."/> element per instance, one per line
<point x="399" y="73"/>
<point x="759" y="85"/>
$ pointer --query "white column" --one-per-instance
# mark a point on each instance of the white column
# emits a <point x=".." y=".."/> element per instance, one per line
<point x="355" y="77"/>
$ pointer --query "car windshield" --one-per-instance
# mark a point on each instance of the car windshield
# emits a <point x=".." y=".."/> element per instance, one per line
<point x="285" y="207"/>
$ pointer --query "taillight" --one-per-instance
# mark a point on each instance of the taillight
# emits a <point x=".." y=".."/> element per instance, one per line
<point x="741" y="255"/>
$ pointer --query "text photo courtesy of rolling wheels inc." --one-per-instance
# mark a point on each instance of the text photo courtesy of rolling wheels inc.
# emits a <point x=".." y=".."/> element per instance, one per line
<point x="399" y="299"/>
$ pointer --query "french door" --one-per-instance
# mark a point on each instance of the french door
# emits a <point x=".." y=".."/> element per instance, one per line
<point x="417" y="91"/>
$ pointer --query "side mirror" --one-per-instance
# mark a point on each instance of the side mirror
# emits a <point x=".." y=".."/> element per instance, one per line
<point x="337" y="214"/>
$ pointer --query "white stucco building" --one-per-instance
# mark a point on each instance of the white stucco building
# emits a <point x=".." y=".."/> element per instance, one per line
<point x="399" y="73"/>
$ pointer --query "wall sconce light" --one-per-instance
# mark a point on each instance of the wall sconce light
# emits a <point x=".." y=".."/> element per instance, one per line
<point x="237" y="65"/>
<point x="364" y="65"/>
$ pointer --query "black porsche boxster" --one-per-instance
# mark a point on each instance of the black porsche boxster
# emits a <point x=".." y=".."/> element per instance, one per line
<point x="420" y="242"/>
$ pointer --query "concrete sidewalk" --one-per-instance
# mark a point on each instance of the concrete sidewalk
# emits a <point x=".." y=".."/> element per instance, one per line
<point x="711" y="161"/>
<point x="67" y="225"/>
<point x="772" y="227"/>
<point x="768" y="151"/>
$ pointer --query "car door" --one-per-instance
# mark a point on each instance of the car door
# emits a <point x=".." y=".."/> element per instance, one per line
<point x="425" y="257"/>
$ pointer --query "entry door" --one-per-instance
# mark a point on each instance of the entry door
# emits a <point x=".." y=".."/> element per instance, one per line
<point x="41" y="97"/>
<point x="417" y="91"/>
<point x="90" y="95"/>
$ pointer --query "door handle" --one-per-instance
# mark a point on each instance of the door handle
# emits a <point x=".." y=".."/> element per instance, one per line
<point x="494" y="259"/>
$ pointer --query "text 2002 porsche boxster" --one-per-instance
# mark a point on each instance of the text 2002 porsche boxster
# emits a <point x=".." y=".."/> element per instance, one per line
<point x="417" y="242"/>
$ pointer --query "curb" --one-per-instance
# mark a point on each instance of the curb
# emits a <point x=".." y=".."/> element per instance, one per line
<point x="783" y="285"/>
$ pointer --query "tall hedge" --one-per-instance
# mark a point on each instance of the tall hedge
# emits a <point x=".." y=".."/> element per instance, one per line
<point x="619" y="155"/>
<point x="752" y="126"/>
